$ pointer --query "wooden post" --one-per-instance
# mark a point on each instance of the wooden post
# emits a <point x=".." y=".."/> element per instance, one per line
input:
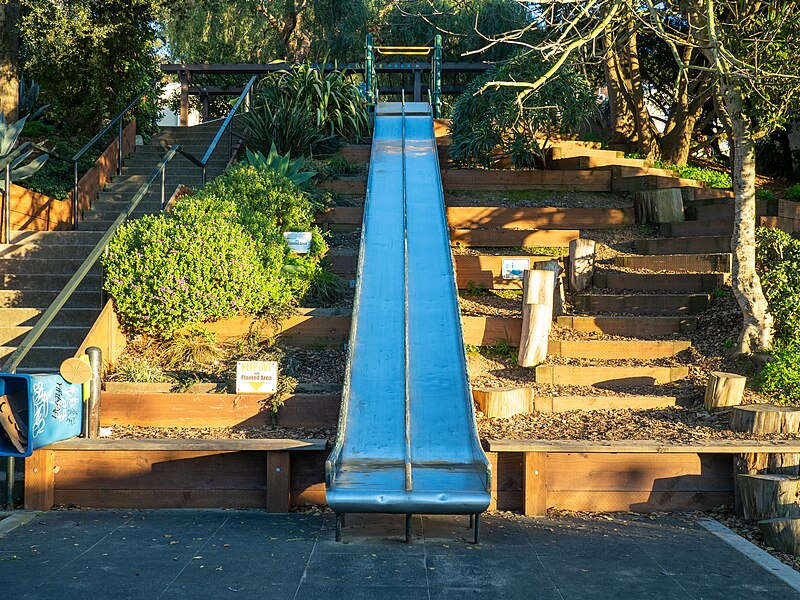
<point x="493" y="461"/>
<point x="537" y="317"/>
<point x="40" y="480"/>
<point x="782" y="533"/>
<point x="184" y="116"/>
<point x="724" y="389"/>
<point x="558" y="287"/>
<point x="534" y="484"/>
<point x="581" y="264"/>
<point x="658" y="206"/>
<point x="768" y="496"/>
<point x="278" y="481"/>
<point x="503" y="402"/>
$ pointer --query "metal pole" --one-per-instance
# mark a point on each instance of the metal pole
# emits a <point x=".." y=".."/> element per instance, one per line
<point x="339" y="525"/>
<point x="230" y="140"/>
<point x="417" y="84"/>
<point x="75" y="209"/>
<point x="204" y="174"/>
<point x="103" y="293"/>
<point x="408" y="529"/>
<point x="93" y="406"/>
<point x="7" y="207"/>
<point x="119" y="147"/>
<point x="163" y="186"/>
<point x="477" y="539"/>
<point x="436" y="76"/>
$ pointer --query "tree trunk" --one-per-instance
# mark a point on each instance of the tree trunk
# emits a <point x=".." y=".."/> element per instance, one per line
<point x="621" y="126"/>
<point x="9" y="57"/>
<point x="758" y="326"/>
<point x="645" y="129"/>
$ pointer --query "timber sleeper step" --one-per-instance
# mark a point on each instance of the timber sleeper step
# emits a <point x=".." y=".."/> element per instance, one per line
<point x="645" y="304"/>
<point x="611" y="377"/>
<point x="630" y="326"/>
<point x="617" y="349"/>
<point x="697" y="228"/>
<point x="668" y="282"/>
<point x="514" y="238"/>
<point x="685" y="245"/>
<point x="557" y="404"/>
<point x="719" y="262"/>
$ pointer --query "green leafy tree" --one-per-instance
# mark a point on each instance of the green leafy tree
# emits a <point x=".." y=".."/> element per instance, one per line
<point x="90" y="57"/>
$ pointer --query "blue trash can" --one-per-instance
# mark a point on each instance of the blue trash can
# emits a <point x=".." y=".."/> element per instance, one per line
<point x="41" y="408"/>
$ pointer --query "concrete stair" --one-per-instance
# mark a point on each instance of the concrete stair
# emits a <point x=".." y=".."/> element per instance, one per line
<point x="37" y="265"/>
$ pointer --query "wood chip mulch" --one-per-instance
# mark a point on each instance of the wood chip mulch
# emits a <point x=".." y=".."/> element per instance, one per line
<point x="224" y="433"/>
<point x="683" y="425"/>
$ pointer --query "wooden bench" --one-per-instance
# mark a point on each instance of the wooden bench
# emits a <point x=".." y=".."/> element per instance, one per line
<point x="617" y="475"/>
<point x="150" y="473"/>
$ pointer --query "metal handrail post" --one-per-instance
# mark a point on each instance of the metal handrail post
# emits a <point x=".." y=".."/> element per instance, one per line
<point x="75" y="209"/>
<point x="119" y="147"/>
<point x="163" y="187"/>
<point x="436" y="75"/>
<point x="7" y="206"/>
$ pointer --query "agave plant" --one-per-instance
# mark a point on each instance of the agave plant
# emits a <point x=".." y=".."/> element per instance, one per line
<point x="284" y="165"/>
<point x="28" y="97"/>
<point x="12" y="155"/>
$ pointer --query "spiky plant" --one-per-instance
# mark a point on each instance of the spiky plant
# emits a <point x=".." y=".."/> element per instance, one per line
<point x="11" y="154"/>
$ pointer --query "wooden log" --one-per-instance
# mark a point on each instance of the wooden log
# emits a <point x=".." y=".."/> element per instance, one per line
<point x="581" y="264"/>
<point x="766" y="419"/>
<point x="40" y="480"/>
<point x="782" y="533"/>
<point x="278" y="482"/>
<point x="769" y="496"/>
<point x="537" y="317"/>
<point x="724" y="389"/>
<point x="503" y="402"/>
<point x="658" y="205"/>
<point x="558" y="287"/>
<point x="534" y="484"/>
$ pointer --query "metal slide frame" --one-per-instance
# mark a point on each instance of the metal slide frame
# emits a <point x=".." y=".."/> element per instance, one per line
<point x="407" y="441"/>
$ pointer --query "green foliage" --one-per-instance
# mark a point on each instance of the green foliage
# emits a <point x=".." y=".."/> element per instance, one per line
<point x="194" y="346"/>
<point x="491" y="125"/>
<point x="91" y="57"/>
<point x="764" y="196"/>
<point x="218" y="254"/>
<point x="11" y="153"/>
<point x="780" y="377"/>
<point x="792" y="192"/>
<point x="304" y="112"/>
<point x="54" y="179"/>
<point x="166" y="272"/>
<point x="28" y="99"/>
<point x="501" y="349"/>
<point x="283" y="165"/>
<point x="778" y="266"/>
<point x="338" y="166"/>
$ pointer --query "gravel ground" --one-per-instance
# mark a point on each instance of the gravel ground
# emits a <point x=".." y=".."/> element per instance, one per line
<point x="477" y="251"/>
<point x="349" y="240"/>
<point x="315" y="365"/>
<point x="540" y="198"/>
<point x="508" y="305"/>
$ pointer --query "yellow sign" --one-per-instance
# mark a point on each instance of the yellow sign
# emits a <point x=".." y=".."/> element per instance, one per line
<point x="256" y="377"/>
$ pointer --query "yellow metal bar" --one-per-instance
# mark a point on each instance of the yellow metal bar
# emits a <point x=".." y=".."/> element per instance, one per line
<point x="404" y="50"/>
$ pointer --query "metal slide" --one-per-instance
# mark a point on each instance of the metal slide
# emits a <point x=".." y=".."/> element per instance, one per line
<point x="407" y="441"/>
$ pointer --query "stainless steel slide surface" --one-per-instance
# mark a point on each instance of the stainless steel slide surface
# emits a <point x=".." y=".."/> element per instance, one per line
<point x="407" y="441"/>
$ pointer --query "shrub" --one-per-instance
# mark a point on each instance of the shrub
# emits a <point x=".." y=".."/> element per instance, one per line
<point x="166" y="272"/>
<point x="781" y="377"/>
<point x="778" y="264"/>
<point x="716" y="179"/>
<point x="764" y="195"/>
<point x="488" y="126"/>
<point x="304" y="111"/>
<point x="793" y="192"/>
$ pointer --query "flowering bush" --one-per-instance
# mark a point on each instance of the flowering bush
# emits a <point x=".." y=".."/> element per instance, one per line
<point x="219" y="254"/>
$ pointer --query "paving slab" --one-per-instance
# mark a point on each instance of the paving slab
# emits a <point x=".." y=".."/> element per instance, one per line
<point x="250" y="554"/>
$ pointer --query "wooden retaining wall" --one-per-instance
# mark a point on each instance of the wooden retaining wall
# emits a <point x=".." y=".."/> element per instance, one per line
<point x="31" y="211"/>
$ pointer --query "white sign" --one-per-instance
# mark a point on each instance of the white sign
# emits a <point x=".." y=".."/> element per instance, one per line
<point x="298" y="241"/>
<point x="513" y="268"/>
<point x="256" y="377"/>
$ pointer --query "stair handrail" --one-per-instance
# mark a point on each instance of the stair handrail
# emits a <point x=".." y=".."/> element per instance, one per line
<point x="118" y="121"/>
<point x="203" y="162"/>
<point x="19" y="354"/>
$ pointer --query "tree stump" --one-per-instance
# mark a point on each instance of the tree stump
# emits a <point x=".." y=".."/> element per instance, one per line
<point x="581" y="264"/>
<point x="782" y="533"/>
<point x="724" y="389"/>
<point x="503" y="402"/>
<point x="658" y="206"/>
<point x="765" y="419"/>
<point x="558" y="286"/>
<point x="537" y="317"/>
<point x="769" y="496"/>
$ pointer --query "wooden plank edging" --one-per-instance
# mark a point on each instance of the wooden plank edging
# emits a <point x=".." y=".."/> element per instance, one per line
<point x="642" y="446"/>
